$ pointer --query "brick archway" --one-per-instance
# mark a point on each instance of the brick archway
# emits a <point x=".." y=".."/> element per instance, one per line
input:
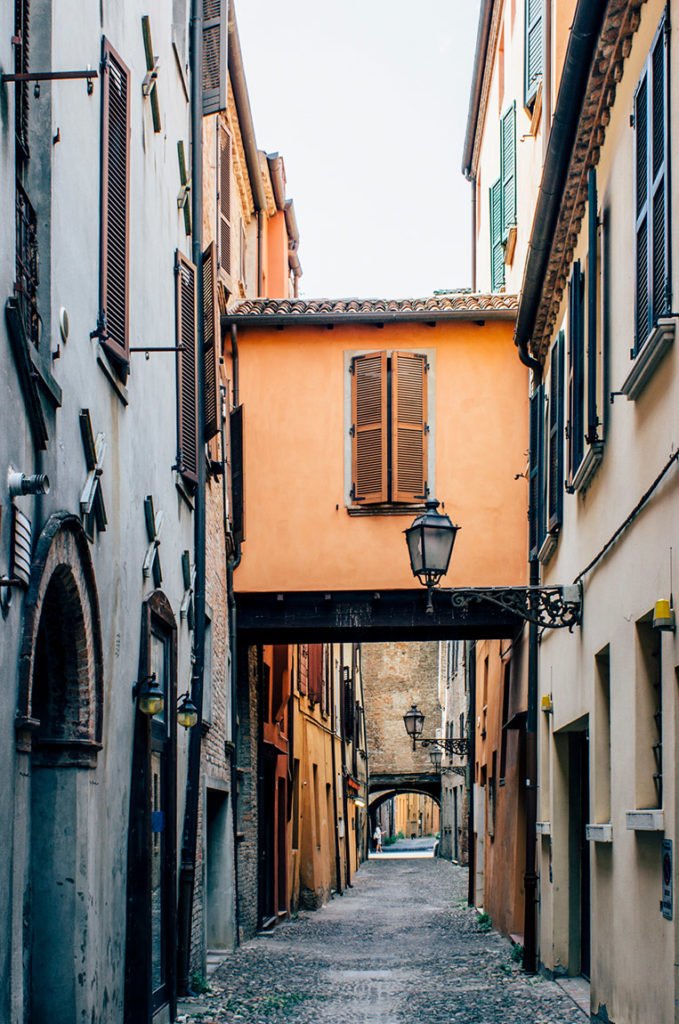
<point x="60" y="701"/>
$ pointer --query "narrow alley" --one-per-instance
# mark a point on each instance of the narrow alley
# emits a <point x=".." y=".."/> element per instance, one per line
<point x="400" y="945"/>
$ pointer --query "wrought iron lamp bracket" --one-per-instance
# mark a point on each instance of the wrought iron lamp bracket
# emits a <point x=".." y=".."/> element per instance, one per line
<point x="458" y="745"/>
<point x="558" y="607"/>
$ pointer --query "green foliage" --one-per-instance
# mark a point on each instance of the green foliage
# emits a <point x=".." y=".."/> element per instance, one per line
<point x="199" y="984"/>
<point x="485" y="922"/>
<point x="517" y="953"/>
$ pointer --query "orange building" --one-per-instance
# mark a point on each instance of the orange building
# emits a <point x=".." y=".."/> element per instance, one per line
<point x="355" y="412"/>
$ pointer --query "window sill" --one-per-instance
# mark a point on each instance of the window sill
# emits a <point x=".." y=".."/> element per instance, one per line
<point x="386" y="510"/>
<point x="111" y="375"/>
<point x="588" y="467"/>
<point x="648" y="358"/>
<point x="548" y="548"/>
<point x="602" y="833"/>
<point x="543" y="828"/>
<point x="645" y="821"/>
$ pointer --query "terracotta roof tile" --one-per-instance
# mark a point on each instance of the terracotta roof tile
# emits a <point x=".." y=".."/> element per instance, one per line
<point x="459" y="303"/>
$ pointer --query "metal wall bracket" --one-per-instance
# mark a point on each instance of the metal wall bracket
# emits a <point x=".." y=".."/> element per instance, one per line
<point x="558" y="607"/>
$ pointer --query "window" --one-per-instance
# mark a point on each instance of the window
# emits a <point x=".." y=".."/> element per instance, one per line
<point x="315" y="672"/>
<point x="497" y="252"/>
<point x="533" y="50"/>
<point x="224" y="199"/>
<point x="536" y="473"/>
<point x="215" y="21"/>
<point x="114" y="283"/>
<point x="653" y="289"/>
<point x="211" y="345"/>
<point x="575" y="431"/>
<point x="506" y="683"/>
<point x="389" y="428"/>
<point x="648" y="717"/>
<point x="555" y="442"/>
<point x="187" y="412"/>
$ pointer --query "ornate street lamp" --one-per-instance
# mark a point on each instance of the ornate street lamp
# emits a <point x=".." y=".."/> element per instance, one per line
<point x="414" y="723"/>
<point x="430" y="541"/>
<point x="436" y="757"/>
<point x="187" y="712"/>
<point x="149" y="695"/>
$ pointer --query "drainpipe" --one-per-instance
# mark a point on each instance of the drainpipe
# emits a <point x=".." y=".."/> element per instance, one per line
<point x="187" y="869"/>
<point x="260" y="254"/>
<point x="471" y="763"/>
<point x="338" y="865"/>
<point x="530" y="883"/>
<point x="473" y="185"/>
<point x="547" y="80"/>
<point x="345" y="798"/>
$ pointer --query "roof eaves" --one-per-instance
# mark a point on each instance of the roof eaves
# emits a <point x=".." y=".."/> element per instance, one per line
<point x="480" y="56"/>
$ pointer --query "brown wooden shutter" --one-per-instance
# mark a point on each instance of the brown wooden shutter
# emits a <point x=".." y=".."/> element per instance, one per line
<point x="187" y="412"/>
<point x="369" y="428"/>
<point x="212" y="348"/>
<point x="408" y="426"/>
<point x="224" y="200"/>
<point x="114" y="285"/>
<point x="315" y="672"/>
<point x="215" y="23"/>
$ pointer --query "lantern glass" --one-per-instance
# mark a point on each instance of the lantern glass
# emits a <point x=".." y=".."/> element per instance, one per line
<point x="151" y="696"/>
<point x="436" y="756"/>
<point x="430" y="542"/>
<point x="187" y="713"/>
<point x="414" y="721"/>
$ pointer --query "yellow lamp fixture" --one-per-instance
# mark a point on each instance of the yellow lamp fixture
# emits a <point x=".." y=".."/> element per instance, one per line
<point x="663" y="615"/>
<point x="187" y="712"/>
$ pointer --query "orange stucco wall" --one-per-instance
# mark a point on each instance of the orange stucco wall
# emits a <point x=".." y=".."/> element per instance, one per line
<point x="277" y="276"/>
<point x="299" y="534"/>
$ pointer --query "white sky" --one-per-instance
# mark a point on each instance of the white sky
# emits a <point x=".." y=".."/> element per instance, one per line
<point x="367" y="102"/>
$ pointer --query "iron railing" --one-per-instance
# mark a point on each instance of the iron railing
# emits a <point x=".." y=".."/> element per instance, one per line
<point x="27" y="265"/>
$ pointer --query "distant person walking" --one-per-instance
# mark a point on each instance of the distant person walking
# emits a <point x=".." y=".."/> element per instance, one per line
<point x="377" y="837"/>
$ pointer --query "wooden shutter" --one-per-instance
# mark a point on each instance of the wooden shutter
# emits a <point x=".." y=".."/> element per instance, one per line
<point x="369" y="428"/>
<point x="315" y="672"/>
<point x="592" y="308"/>
<point x="237" y="474"/>
<point x="535" y="473"/>
<point x="658" y="144"/>
<point x="408" y="426"/>
<point x="22" y="23"/>
<point x="534" y="47"/>
<point x="187" y="412"/>
<point x="215" y="75"/>
<point x="508" y="169"/>
<point x="115" y="204"/>
<point x="224" y="200"/>
<point x="642" y="310"/>
<point x="575" y="431"/>
<point x="212" y="343"/>
<point x="497" y="252"/>
<point x="556" y="426"/>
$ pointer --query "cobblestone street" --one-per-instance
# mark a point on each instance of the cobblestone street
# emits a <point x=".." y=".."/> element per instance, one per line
<point x="400" y="946"/>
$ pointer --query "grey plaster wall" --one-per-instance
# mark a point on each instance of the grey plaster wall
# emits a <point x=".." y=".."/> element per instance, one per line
<point x="141" y="448"/>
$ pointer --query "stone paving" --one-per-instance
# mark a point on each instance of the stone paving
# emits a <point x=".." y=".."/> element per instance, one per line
<point x="401" y="945"/>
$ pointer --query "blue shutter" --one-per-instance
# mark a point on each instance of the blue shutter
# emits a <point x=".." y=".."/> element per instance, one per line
<point x="576" y="376"/>
<point x="536" y="511"/>
<point x="534" y="49"/>
<point x="556" y="428"/>
<point x="592" y="309"/>
<point x="652" y="285"/>
<point x="508" y="169"/>
<point x="497" y="253"/>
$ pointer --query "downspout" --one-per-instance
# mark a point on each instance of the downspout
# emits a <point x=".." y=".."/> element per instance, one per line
<point x="187" y="870"/>
<point x="261" y="218"/>
<point x="547" y="80"/>
<point x="333" y="723"/>
<point x="471" y="763"/>
<point x="473" y="185"/>
<point x="530" y="882"/>
<point x="345" y="798"/>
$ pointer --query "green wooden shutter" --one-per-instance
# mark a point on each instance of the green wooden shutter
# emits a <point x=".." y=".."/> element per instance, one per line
<point x="497" y="253"/>
<point x="556" y="426"/>
<point x="215" y="74"/>
<point x="535" y="474"/>
<point x="534" y="49"/>
<point x="508" y="169"/>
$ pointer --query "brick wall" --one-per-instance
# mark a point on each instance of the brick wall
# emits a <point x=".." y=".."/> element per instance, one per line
<point x="246" y="756"/>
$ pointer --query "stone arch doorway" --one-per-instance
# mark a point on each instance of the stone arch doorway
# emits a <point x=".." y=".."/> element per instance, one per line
<point x="59" y="729"/>
<point x="382" y="799"/>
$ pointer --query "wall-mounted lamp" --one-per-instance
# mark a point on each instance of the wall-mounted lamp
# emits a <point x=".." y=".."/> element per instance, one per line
<point x="149" y="695"/>
<point x="18" y="484"/>
<point x="663" y="615"/>
<point x="187" y="712"/>
<point x="546" y="704"/>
